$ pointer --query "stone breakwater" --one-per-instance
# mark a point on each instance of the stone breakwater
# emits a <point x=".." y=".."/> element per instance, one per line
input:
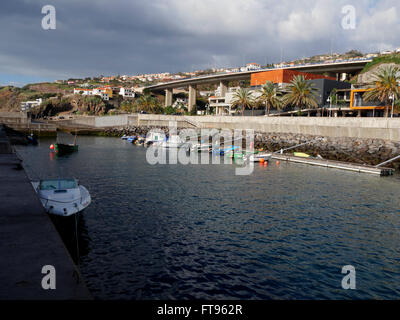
<point x="361" y="151"/>
<point x="356" y="150"/>
<point x="130" y="131"/>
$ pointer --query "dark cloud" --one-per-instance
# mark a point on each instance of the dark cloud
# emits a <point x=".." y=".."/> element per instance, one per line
<point x="129" y="37"/>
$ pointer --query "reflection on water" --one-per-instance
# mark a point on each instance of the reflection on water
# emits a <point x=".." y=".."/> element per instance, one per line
<point x="74" y="233"/>
<point x="201" y="232"/>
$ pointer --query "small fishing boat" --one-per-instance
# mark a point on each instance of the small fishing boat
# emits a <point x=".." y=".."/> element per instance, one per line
<point x="174" y="141"/>
<point x="62" y="197"/>
<point x="129" y="138"/>
<point x="62" y="148"/>
<point x="260" y="157"/>
<point x="222" y="151"/>
<point x="140" y="140"/>
<point x="234" y="154"/>
<point x="155" y="138"/>
<point x="201" y="147"/>
<point x="32" y="139"/>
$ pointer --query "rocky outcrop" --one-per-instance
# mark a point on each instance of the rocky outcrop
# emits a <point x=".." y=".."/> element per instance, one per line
<point x="69" y="105"/>
<point x="368" y="77"/>
<point x="131" y="131"/>
<point x="362" y="151"/>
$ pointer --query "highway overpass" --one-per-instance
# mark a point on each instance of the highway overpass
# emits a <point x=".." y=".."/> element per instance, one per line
<point x="333" y="69"/>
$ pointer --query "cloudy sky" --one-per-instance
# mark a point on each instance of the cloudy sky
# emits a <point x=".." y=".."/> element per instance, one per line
<point x="105" y="37"/>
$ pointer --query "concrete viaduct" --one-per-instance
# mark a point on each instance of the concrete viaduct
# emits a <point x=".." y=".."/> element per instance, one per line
<point x="333" y="69"/>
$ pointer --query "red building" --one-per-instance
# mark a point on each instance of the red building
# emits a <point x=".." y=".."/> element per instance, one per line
<point x="282" y="76"/>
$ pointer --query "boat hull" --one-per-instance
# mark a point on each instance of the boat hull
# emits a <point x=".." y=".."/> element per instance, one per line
<point x="64" y="208"/>
<point x="260" y="157"/>
<point x="61" y="149"/>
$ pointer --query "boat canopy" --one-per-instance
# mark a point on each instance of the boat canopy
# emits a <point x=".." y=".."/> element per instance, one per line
<point x="58" y="184"/>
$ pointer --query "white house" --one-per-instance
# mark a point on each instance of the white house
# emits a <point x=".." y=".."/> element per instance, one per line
<point x="179" y="103"/>
<point x="83" y="91"/>
<point x="96" y="91"/>
<point x="251" y="67"/>
<point x="27" y="105"/>
<point x="126" y="92"/>
<point x="105" y="96"/>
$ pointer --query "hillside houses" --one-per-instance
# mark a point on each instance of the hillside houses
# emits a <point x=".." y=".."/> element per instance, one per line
<point x="106" y="92"/>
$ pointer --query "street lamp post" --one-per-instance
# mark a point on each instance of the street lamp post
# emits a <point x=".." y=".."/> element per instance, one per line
<point x="329" y="100"/>
<point x="392" y="97"/>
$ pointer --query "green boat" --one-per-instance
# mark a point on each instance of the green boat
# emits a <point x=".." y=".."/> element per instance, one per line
<point x="61" y="148"/>
<point x="234" y="155"/>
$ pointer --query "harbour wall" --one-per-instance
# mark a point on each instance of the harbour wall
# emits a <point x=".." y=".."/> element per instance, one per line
<point x="20" y="121"/>
<point x="29" y="240"/>
<point x="362" y="128"/>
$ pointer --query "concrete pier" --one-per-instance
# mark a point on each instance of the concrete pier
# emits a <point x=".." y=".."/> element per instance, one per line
<point x="168" y="97"/>
<point x="192" y="97"/>
<point x="29" y="240"/>
<point x="381" y="171"/>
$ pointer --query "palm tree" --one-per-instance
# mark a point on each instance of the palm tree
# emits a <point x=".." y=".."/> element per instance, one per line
<point x="270" y="96"/>
<point x="243" y="98"/>
<point x="384" y="87"/>
<point x="301" y="93"/>
<point x="147" y="103"/>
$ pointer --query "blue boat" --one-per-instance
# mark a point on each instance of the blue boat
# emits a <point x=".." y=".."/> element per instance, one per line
<point x="222" y="151"/>
<point x="32" y="139"/>
<point x="128" y="138"/>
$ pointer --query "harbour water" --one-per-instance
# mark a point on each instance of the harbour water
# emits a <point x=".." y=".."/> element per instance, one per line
<point x="201" y="232"/>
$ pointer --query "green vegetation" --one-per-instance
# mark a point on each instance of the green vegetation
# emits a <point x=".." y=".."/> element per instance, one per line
<point x="301" y="94"/>
<point x="393" y="58"/>
<point x="43" y="96"/>
<point x="243" y="99"/>
<point x="128" y="106"/>
<point x="353" y="54"/>
<point x="148" y="103"/>
<point x="169" y="110"/>
<point x="270" y="96"/>
<point x="384" y="87"/>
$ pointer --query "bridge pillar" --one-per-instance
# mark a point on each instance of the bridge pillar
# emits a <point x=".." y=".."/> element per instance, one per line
<point x="168" y="97"/>
<point x="223" y="85"/>
<point x="192" y="97"/>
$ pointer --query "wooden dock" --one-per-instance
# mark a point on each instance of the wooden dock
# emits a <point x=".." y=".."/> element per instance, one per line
<point x="382" y="171"/>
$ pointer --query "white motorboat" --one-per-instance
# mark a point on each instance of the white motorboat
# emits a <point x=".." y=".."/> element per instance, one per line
<point x="201" y="147"/>
<point x="259" y="157"/>
<point x="174" y="141"/>
<point x="154" y="138"/>
<point x="62" y="197"/>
